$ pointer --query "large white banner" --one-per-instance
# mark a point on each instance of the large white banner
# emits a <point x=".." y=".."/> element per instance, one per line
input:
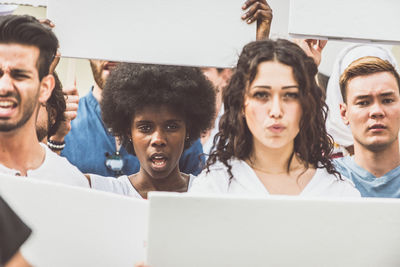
<point x="77" y="227"/>
<point x="349" y="20"/>
<point x="215" y="231"/>
<point x="190" y="32"/>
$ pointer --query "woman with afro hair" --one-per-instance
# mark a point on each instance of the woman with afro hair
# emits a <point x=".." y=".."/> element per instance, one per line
<point x="272" y="137"/>
<point x="155" y="111"/>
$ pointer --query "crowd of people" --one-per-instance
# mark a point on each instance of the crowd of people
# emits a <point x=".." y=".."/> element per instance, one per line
<point x="264" y="128"/>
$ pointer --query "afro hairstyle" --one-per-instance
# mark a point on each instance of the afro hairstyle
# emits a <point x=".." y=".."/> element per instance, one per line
<point x="131" y="87"/>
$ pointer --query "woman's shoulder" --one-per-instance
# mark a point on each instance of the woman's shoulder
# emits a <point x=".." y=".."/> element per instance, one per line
<point x="333" y="184"/>
<point x="216" y="178"/>
<point x="234" y="163"/>
<point x="120" y="185"/>
<point x="220" y="169"/>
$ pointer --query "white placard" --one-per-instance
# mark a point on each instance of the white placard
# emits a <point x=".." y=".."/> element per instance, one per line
<point x="348" y="20"/>
<point x="26" y="2"/>
<point x="77" y="227"/>
<point x="190" y="32"/>
<point x="189" y="230"/>
<point x="280" y="21"/>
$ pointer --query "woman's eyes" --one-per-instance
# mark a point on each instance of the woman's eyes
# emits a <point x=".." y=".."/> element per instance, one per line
<point x="144" y="128"/>
<point x="261" y="95"/>
<point x="172" y="126"/>
<point x="267" y="95"/>
<point x="291" y="95"/>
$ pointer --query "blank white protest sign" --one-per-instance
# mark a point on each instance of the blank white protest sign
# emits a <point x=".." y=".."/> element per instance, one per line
<point x="190" y="32"/>
<point x="75" y="226"/>
<point x="216" y="231"/>
<point x="353" y="20"/>
<point x="26" y="2"/>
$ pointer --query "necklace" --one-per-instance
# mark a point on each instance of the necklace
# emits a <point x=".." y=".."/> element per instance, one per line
<point x="298" y="167"/>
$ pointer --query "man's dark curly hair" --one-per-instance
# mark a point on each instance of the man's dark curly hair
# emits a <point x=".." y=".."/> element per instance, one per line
<point x="27" y="30"/>
<point x="131" y="87"/>
<point x="55" y="107"/>
<point x="312" y="144"/>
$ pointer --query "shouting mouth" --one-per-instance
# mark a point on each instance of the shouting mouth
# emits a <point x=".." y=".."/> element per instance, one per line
<point x="159" y="161"/>
<point x="7" y="107"/>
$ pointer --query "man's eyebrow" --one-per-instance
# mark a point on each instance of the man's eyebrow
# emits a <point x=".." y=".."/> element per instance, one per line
<point x="362" y="96"/>
<point x="20" y="71"/>
<point x="387" y="93"/>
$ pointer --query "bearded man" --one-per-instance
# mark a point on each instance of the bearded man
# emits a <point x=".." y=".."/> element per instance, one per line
<point x="27" y="49"/>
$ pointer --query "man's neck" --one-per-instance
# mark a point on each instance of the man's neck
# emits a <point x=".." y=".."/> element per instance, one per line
<point x="20" y="150"/>
<point x="97" y="92"/>
<point x="377" y="163"/>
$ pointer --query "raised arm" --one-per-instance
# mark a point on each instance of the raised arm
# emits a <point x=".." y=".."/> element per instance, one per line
<point x="260" y="11"/>
<point x="312" y="47"/>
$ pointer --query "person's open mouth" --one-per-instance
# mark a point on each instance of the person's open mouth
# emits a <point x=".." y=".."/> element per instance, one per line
<point x="159" y="160"/>
<point x="7" y="107"/>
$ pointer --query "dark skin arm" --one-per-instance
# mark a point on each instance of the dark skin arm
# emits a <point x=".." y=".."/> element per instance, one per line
<point x="260" y="11"/>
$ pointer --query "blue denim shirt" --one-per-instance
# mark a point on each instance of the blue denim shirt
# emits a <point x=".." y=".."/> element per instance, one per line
<point x="88" y="144"/>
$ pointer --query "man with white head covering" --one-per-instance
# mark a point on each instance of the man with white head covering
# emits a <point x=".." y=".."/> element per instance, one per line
<point x="340" y="132"/>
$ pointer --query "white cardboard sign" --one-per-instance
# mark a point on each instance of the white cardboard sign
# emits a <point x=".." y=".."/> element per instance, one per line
<point x="190" y="32"/>
<point x="75" y="226"/>
<point x="216" y="231"/>
<point x="26" y="2"/>
<point x="355" y="20"/>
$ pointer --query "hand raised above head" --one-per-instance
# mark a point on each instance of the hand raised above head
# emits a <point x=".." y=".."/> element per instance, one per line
<point x="72" y="102"/>
<point x="260" y="11"/>
<point x="312" y="47"/>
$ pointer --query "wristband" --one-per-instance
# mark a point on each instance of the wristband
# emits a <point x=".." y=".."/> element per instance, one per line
<point x="57" y="146"/>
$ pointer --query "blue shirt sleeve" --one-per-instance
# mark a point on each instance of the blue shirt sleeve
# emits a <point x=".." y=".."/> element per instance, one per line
<point x="192" y="160"/>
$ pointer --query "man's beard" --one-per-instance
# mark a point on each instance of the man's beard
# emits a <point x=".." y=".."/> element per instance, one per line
<point x="96" y="70"/>
<point x="42" y="131"/>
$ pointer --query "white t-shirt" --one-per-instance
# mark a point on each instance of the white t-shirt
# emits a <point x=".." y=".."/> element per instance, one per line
<point x="121" y="185"/>
<point x="246" y="183"/>
<point x="54" y="169"/>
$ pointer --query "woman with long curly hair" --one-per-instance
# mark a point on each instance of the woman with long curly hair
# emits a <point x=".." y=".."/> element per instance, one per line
<point x="272" y="137"/>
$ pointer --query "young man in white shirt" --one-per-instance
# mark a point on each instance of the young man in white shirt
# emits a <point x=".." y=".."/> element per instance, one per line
<point x="27" y="49"/>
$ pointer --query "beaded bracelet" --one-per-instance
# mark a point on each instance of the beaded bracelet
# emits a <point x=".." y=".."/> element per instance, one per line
<point x="57" y="146"/>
